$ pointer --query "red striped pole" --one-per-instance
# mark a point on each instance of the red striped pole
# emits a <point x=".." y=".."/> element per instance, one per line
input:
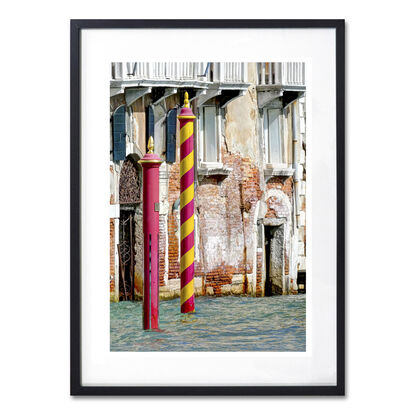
<point x="187" y="250"/>
<point x="150" y="164"/>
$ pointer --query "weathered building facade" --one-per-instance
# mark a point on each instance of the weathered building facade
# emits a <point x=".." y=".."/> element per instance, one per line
<point x="250" y="170"/>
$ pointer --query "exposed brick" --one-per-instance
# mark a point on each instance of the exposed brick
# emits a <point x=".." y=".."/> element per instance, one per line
<point x="276" y="208"/>
<point x="162" y="250"/>
<point x="226" y="210"/>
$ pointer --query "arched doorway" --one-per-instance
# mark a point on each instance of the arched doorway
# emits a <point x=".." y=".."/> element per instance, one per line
<point x="130" y="199"/>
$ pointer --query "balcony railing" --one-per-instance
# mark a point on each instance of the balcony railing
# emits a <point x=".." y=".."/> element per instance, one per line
<point x="286" y="74"/>
<point x="281" y="73"/>
<point x="228" y="72"/>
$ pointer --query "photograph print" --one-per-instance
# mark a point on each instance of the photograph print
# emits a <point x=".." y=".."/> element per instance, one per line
<point x="207" y="206"/>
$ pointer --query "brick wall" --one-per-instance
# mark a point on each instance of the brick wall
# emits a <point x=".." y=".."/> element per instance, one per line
<point x="138" y="252"/>
<point x="162" y="249"/>
<point x="173" y="221"/>
<point x="225" y="208"/>
<point x="276" y="208"/>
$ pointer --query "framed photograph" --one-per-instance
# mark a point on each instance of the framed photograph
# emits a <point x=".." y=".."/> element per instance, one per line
<point x="207" y="207"/>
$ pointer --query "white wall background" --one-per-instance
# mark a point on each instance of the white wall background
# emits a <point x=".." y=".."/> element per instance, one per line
<point x="35" y="206"/>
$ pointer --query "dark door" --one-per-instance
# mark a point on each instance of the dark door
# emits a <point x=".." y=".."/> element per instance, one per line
<point x="126" y="255"/>
<point x="274" y="253"/>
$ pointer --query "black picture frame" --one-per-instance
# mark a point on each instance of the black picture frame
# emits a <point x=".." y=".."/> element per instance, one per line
<point x="76" y="387"/>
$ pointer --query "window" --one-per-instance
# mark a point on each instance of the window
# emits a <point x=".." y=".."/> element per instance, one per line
<point x="274" y="138"/>
<point x="208" y="129"/>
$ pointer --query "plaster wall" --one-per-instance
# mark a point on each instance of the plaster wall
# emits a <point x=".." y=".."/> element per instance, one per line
<point x="229" y="207"/>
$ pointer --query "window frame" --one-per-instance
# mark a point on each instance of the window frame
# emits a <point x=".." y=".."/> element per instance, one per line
<point x="202" y="138"/>
<point x="283" y="159"/>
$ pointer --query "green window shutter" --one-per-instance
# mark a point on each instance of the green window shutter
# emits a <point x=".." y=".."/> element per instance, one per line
<point x="149" y="122"/>
<point x="118" y="133"/>
<point x="171" y="136"/>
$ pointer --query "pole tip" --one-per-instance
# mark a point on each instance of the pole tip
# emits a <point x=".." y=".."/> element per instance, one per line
<point x="150" y="145"/>
<point x="186" y="100"/>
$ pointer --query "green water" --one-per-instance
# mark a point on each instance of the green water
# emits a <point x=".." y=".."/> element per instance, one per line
<point x="219" y="324"/>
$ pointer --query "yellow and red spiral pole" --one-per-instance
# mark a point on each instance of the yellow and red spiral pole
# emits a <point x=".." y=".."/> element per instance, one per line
<point x="187" y="194"/>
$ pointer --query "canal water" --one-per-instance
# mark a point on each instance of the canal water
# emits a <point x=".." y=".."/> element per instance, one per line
<point x="224" y="324"/>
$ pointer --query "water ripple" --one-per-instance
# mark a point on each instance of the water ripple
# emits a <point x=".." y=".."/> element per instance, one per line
<point x="219" y="324"/>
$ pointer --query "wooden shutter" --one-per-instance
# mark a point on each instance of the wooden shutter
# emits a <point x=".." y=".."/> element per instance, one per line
<point x="149" y="123"/>
<point x="171" y="136"/>
<point x="118" y="133"/>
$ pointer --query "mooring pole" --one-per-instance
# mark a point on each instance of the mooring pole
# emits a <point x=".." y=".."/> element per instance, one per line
<point x="187" y="250"/>
<point x="151" y="164"/>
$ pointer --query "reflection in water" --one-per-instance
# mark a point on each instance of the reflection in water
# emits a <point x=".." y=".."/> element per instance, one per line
<point x="219" y="324"/>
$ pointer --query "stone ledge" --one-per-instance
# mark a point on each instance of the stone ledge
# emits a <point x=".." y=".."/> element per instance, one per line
<point x="278" y="171"/>
<point x="271" y="221"/>
<point x="218" y="170"/>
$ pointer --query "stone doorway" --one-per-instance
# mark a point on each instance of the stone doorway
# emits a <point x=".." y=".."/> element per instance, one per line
<point x="301" y="282"/>
<point x="126" y="255"/>
<point x="274" y="254"/>
<point x="130" y="200"/>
